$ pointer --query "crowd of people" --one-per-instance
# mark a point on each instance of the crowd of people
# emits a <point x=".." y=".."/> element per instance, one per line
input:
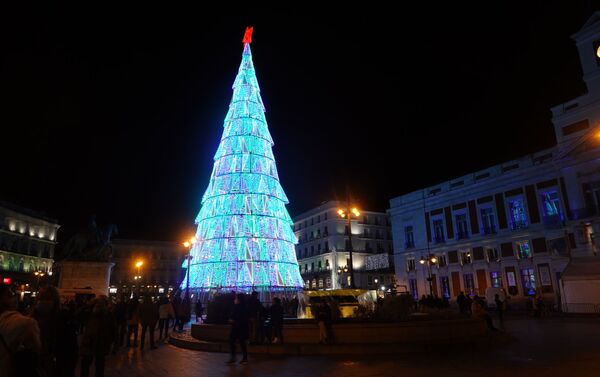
<point x="48" y="337"/>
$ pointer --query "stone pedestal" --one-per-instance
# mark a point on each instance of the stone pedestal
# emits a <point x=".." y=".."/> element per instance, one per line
<point x="80" y="277"/>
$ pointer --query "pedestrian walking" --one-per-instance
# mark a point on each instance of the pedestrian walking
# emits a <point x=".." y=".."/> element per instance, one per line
<point x="148" y="319"/>
<point x="499" y="309"/>
<point x="133" y="320"/>
<point x="276" y="320"/>
<point x="239" y="328"/>
<point x="165" y="312"/>
<point x="20" y="342"/>
<point x="97" y="338"/>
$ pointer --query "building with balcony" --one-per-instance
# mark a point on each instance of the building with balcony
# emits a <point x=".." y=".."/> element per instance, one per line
<point x="160" y="273"/>
<point x="515" y="225"/>
<point x="27" y="242"/>
<point x="323" y="244"/>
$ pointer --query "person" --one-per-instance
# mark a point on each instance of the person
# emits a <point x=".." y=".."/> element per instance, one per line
<point x="479" y="311"/>
<point x="46" y="314"/>
<point x="20" y="342"/>
<point x="165" y="311"/>
<point x="97" y="338"/>
<point x="461" y="300"/>
<point x="177" y="308"/>
<point x="133" y="320"/>
<point x="198" y="309"/>
<point x="239" y="328"/>
<point x="500" y="309"/>
<point x="276" y="320"/>
<point x="148" y="320"/>
<point x="67" y="348"/>
<point x="255" y="310"/>
<point x="323" y="317"/>
<point x="120" y="316"/>
<point x="184" y="313"/>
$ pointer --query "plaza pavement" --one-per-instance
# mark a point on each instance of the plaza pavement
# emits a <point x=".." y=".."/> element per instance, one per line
<point x="567" y="347"/>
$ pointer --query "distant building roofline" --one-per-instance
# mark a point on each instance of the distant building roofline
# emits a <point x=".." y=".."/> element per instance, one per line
<point x="28" y="212"/>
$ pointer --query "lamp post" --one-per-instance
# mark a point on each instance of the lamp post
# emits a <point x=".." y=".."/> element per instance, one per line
<point x="38" y="274"/>
<point x="347" y="213"/>
<point x="188" y="245"/>
<point x="431" y="259"/>
<point x="376" y="291"/>
<point x="138" y="278"/>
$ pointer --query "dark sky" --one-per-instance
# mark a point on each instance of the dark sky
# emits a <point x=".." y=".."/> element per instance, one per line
<point x="118" y="111"/>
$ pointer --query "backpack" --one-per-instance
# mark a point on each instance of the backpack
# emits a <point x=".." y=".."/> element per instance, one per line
<point x="28" y="362"/>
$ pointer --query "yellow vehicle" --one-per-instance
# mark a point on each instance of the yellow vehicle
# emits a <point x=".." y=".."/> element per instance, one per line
<point x="344" y="300"/>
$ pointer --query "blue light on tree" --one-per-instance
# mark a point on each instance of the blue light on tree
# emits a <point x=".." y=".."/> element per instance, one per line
<point x="245" y="235"/>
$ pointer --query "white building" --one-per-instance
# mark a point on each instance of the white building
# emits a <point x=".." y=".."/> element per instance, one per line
<point x="515" y="225"/>
<point x="27" y="242"/>
<point x="323" y="245"/>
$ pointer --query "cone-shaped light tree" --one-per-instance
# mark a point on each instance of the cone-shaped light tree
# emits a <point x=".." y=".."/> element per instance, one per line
<point x="245" y="238"/>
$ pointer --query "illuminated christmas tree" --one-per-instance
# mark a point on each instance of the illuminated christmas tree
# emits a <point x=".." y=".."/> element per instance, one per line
<point x="245" y="236"/>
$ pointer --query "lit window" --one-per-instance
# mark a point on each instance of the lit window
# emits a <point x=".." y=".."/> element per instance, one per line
<point x="523" y="249"/>
<point x="551" y="203"/>
<point x="496" y="279"/>
<point x="518" y="216"/>
<point x="528" y="277"/>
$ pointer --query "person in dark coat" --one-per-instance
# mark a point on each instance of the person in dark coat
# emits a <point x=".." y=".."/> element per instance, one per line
<point x="97" y="338"/>
<point x="148" y="320"/>
<point x="239" y="328"/>
<point x="276" y="320"/>
<point x="120" y="315"/>
<point x="255" y="310"/>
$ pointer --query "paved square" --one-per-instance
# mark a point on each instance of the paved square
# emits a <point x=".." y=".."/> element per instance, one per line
<point x="546" y="347"/>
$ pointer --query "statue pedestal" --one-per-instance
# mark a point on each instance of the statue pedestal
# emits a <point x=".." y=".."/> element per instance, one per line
<point x="81" y="277"/>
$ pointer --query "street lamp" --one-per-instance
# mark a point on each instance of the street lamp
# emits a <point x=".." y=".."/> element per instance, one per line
<point x="431" y="259"/>
<point x="38" y="274"/>
<point x="348" y="212"/>
<point x="188" y="245"/>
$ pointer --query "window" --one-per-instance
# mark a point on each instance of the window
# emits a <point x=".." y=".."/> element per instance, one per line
<point x="347" y="244"/>
<point x="409" y="240"/>
<point x="488" y="220"/>
<point x="320" y="283"/>
<point x="320" y="266"/>
<point x="469" y="283"/>
<point x="365" y="219"/>
<point x="528" y="281"/>
<point x="319" y="249"/>
<point x="312" y="221"/>
<point x="305" y="267"/>
<point x="348" y="281"/>
<point x="328" y="282"/>
<point x="438" y="231"/>
<point x="496" y="279"/>
<point x="312" y="266"/>
<point x="461" y="226"/>
<point x="413" y="288"/>
<point x="318" y="233"/>
<point x="312" y="250"/>
<point x="325" y="232"/>
<point x="370" y="280"/>
<point x="551" y="203"/>
<point x="518" y="216"/>
<point x="410" y="264"/>
<point x="325" y="216"/>
<point x="466" y="257"/>
<point x="368" y="247"/>
<point x="442" y="260"/>
<point x="366" y="233"/>
<point x="523" y="249"/>
<point x="326" y="246"/>
<point x="327" y="266"/>
<point x="445" y="283"/>
<point x="319" y="218"/>
<point x="492" y="254"/>
<point x="346" y="230"/>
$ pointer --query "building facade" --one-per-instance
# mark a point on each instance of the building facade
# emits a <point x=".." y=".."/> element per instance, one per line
<point x="323" y="244"/>
<point x="515" y="225"/>
<point x="160" y="272"/>
<point x="27" y="242"/>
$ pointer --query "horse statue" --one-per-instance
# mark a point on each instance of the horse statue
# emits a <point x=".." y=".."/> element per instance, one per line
<point x="91" y="244"/>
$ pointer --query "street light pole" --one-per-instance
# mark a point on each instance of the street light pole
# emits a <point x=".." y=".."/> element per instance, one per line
<point x="188" y="244"/>
<point x="431" y="259"/>
<point x="348" y="211"/>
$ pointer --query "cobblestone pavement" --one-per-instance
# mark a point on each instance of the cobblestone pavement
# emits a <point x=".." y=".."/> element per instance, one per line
<point x="547" y="347"/>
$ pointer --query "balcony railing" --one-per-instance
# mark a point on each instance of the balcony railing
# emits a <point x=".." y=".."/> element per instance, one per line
<point x="517" y="225"/>
<point x="462" y="235"/>
<point x="489" y="229"/>
<point x="582" y="213"/>
<point x="553" y="221"/>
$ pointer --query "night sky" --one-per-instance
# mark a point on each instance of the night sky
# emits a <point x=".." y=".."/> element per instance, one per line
<point x="118" y="112"/>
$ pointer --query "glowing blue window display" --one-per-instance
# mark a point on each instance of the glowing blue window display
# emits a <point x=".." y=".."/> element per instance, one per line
<point x="518" y="216"/>
<point x="245" y="233"/>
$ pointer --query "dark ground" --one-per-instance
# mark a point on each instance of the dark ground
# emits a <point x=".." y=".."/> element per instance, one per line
<point x="547" y="347"/>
